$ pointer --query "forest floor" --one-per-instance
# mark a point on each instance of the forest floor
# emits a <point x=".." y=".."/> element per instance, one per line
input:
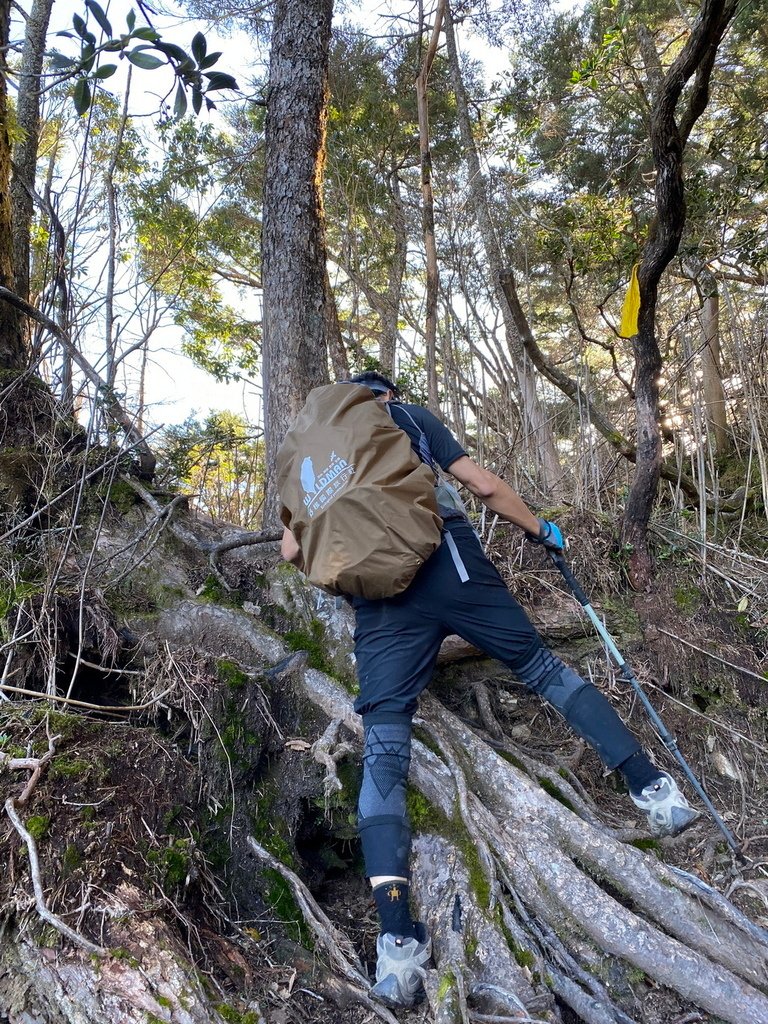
<point x="136" y="788"/>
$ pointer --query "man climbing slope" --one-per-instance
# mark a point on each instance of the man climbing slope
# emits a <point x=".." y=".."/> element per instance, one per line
<point x="397" y="639"/>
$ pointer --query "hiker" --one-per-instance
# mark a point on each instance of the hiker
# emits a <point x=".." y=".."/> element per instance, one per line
<point x="397" y="639"/>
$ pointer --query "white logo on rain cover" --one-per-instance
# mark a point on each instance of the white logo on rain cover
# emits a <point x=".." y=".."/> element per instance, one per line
<point x="320" y="490"/>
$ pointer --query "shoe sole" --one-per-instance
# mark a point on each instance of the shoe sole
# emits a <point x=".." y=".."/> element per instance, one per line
<point x="398" y="1004"/>
<point x="696" y="816"/>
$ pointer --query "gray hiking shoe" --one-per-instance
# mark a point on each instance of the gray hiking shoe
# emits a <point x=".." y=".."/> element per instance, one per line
<point x="400" y="969"/>
<point x="667" y="809"/>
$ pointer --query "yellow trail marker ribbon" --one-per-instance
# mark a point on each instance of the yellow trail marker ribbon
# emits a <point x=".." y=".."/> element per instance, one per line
<point x="631" y="307"/>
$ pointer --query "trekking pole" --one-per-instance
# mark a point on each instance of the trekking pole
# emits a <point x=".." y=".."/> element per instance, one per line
<point x="669" y="741"/>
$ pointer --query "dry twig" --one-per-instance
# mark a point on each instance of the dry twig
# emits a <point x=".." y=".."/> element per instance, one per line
<point x="338" y="946"/>
<point x="12" y="804"/>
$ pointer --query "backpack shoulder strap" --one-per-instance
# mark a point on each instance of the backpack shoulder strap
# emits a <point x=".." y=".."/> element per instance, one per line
<point x="425" y="452"/>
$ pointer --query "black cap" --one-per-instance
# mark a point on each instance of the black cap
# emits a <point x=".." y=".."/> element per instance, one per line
<point x="377" y="382"/>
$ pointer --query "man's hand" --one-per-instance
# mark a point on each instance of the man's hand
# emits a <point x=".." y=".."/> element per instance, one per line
<point x="289" y="548"/>
<point x="549" y="535"/>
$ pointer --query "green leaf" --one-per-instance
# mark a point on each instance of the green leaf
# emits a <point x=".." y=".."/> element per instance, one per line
<point x="219" y="80"/>
<point x="60" y="62"/>
<point x="100" y="16"/>
<point x="131" y="20"/>
<point x="197" y="99"/>
<point x="87" y="56"/>
<point x="180" y="103"/>
<point x="67" y="34"/>
<point x="144" y="60"/>
<point x="82" y="95"/>
<point x="210" y="60"/>
<point x="199" y="47"/>
<point x="79" y="24"/>
<point x="146" y="32"/>
<point x="105" y="71"/>
<point x="116" y="44"/>
<point x="172" y="50"/>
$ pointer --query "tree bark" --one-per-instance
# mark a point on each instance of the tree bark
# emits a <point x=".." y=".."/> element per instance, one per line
<point x="714" y="393"/>
<point x="13" y="354"/>
<point x="25" y="151"/>
<point x="668" y="141"/>
<point x="428" y="209"/>
<point x="544" y="457"/>
<point x="389" y="311"/>
<point x="294" y="351"/>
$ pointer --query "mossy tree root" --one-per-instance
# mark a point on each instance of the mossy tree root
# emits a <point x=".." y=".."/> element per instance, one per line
<point x="572" y="895"/>
<point x="595" y="893"/>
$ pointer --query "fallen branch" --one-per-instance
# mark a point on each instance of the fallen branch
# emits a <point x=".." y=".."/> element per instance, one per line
<point x="714" y="657"/>
<point x="340" y="950"/>
<point x="83" y="704"/>
<point x="40" y="904"/>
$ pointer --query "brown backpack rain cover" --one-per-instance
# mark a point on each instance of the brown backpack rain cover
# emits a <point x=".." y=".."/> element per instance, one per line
<point x="359" y="502"/>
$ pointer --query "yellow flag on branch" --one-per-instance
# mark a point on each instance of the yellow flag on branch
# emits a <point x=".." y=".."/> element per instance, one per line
<point x="631" y="307"/>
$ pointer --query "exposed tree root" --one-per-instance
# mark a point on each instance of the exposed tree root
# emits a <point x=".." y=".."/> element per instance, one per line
<point x="182" y="533"/>
<point x="336" y="944"/>
<point x="527" y="899"/>
<point x="568" y="873"/>
<point x="328" y="751"/>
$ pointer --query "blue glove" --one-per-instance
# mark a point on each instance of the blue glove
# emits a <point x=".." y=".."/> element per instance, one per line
<point x="549" y="535"/>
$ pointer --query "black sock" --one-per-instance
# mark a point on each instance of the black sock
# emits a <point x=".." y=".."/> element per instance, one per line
<point x="638" y="772"/>
<point x="394" y="911"/>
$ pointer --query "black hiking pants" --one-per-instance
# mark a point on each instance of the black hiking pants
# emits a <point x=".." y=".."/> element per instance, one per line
<point x="397" y="639"/>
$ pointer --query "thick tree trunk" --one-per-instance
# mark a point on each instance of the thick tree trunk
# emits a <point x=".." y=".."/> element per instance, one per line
<point x="294" y="349"/>
<point x="13" y="354"/>
<point x="544" y="458"/>
<point x="25" y="151"/>
<point x="428" y="210"/>
<point x="668" y="141"/>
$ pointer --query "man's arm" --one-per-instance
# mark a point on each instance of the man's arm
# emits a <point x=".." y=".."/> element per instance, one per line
<point x="497" y="495"/>
<point x="289" y="548"/>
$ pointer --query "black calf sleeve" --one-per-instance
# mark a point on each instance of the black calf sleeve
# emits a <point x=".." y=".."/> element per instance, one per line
<point x="591" y="716"/>
<point x="584" y="708"/>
